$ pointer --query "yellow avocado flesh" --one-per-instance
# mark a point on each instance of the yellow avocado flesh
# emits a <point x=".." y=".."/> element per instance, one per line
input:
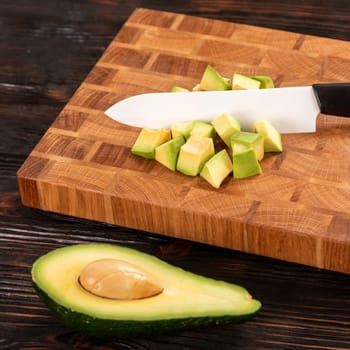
<point x="242" y="82"/>
<point x="193" y="154"/>
<point x="148" y="140"/>
<point x="167" y="153"/>
<point x="217" y="168"/>
<point x="272" y="138"/>
<point x="185" y="294"/>
<point x="225" y="126"/>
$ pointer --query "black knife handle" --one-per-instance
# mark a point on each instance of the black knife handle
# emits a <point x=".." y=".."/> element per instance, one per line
<point x="333" y="98"/>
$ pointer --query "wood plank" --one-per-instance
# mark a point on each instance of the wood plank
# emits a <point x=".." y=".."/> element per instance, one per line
<point x="298" y="210"/>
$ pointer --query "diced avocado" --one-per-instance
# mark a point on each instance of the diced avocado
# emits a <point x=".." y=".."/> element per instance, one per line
<point x="266" y="82"/>
<point x="182" y="129"/>
<point x="213" y="81"/>
<point x="272" y="138"/>
<point x="225" y="126"/>
<point x="217" y="168"/>
<point x="245" y="139"/>
<point x="242" y="82"/>
<point x="148" y="140"/>
<point x="203" y="129"/>
<point x="184" y="300"/>
<point x="197" y="87"/>
<point x="194" y="153"/>
<point x="167" y="153"/>
<point x="176" y="88"/>
<point x="245" y="163"/>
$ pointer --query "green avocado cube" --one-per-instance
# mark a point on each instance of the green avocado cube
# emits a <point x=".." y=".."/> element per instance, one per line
<point x="212" y="80"/>
<point x="272" y="138"/>
<point x="193" y="154"/>
<point x="167" y="153"/>
<point x="217" y="168"/>
<point x="148" y="140"/>
<point x="242" y="140"/>
<point x="225" y="126"/>
<point x="182" y="129"/>
<point x="245" y="164"/>
<point x="266" y="82"/>
<point x="242" y="82"/>
<point x="203" y="129"/>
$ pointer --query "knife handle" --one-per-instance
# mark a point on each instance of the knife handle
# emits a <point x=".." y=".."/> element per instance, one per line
<point x="333" y="98"/>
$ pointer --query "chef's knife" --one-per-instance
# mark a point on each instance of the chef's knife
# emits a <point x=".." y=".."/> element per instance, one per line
<point x="289" y="109"/>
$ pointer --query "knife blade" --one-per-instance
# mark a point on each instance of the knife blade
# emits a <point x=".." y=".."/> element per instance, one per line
<point x="289" y="109"/>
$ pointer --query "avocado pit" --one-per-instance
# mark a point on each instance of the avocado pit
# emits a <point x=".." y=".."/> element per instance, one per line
<point x="118" y="279"/>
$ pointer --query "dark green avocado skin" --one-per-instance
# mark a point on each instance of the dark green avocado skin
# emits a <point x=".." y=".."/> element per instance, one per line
<point x="118" y="329"/>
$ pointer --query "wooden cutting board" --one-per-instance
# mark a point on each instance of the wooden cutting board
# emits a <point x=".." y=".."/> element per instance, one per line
<point x="298" y="210"/>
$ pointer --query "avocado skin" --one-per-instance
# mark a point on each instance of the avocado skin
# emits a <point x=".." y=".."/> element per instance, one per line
<point x="107" y="329"/>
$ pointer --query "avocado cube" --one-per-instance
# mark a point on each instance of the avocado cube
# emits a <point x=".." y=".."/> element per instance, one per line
<point x="203" y="129"/>
<point x="212" y="80"/>
<point x="272" y="138"/>
<point x="242" y="140"/>
<point x="217" y="168"/>
<point x="225" y="126"/>
<point x="266" y="82"/>
<point x="193" y="154"/>
<point x="245" y="164"/>
<point x="242" y="82"/>
<point x="182" y="129"/>
<point x="167" y="153"/>
<point x="176" y="88"/>
<point x="148" y="140"/>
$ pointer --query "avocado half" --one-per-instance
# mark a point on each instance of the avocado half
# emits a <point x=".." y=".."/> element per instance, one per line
<point x="187" y="300"/>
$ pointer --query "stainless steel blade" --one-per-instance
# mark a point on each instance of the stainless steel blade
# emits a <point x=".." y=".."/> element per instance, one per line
<point x="289" y="109"/>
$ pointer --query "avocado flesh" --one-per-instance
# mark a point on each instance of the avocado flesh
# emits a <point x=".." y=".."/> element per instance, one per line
<point x="225" y="126"/>
<point x="242" y="82"/>
<point x="249" y="139"/>
<point x="272" y="138"/>
<point x="217" y="168"/>
<point x="245" y="163"/>
<point x="212" y="80"/>
<point x="193" y="154"/>
<point x="188" y="300"/>
<point x="168" y="152"/>
<point x="266" y="82"/>
<point x="148" y="140"/>
<point x="182" y="129"/>
<point x="203" y="129"/>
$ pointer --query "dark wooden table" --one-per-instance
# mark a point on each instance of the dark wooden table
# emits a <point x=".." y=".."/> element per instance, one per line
<point x="46" y="50"/>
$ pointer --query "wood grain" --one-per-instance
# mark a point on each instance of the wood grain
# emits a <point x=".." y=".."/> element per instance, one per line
<point x="298" y="210"/>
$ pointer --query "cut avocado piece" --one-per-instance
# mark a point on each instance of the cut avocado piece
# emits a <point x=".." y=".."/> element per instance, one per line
<point x="167" y="153"/>
<point x="242" y="82"/>
<point x="244" y="139"/>
<point x="217" y="168"/>
<point x="266" y="82"/>
<point x="225" y="126"/>
<point x="194" y="153"/>
<point x="176" y="88"/>
<point x="272" y="138"/>
<point x="185" y="300"/>
<point x="203" y="129"/>
<point x="245" y="163"/>
<point x="148" y="140"/>
<point x="182" y="129"/>
<point x="212" y="80"/>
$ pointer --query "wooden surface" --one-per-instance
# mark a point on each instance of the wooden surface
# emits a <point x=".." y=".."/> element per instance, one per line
<point x="298" y="210"/>
<point x="47" y="50"/>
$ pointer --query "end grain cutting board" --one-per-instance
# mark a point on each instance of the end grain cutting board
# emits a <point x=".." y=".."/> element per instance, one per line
<point x="298" y="210"/>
